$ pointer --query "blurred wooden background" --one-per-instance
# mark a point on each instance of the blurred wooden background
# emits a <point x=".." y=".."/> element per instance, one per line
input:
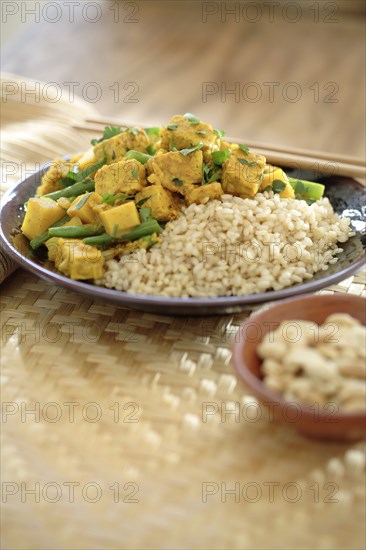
<point x="152" y="59"/>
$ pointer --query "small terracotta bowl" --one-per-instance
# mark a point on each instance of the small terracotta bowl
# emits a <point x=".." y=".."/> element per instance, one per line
<point x="323" y="422"/>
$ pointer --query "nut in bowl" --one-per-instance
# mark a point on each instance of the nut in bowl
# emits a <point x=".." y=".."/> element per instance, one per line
<point x="313" y="375"/>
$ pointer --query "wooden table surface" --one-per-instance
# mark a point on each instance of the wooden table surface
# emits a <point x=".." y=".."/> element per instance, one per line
<point x="117" y="430"/>
<point x="298" y="80"/>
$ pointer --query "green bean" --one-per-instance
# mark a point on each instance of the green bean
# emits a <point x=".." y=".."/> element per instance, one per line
<point x="73" y="190"/>
<point x="307" y="189"/>
<point x="142" y="230"/>
<point x="38" y="241"/>
<point x="76" y="231"/>
<point x="137" y="155"/>
<point x="77" y="177"/>
<point x="101" y="240"/>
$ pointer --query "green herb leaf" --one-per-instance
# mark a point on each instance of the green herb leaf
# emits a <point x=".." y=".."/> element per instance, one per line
<point x="113" y="154"/>
<point x="246" y="162"/>
<point x="172" y="127"/>
<point x="201" y="132"/>
<point x="151" y="150"/>
<point x="215" y="177"/>
<point x="219" y="157"/>
<point x="109" y="132"/>
<point x="177" y="181"/>
<point x="268" y="188"/>
<point x="219" y="133"/>
<point x="135" y="174"/>
<point x="278" y="186"/>
<point x="145" y="214"/>
<point x="210" y="174"/>
<point x="192" y="119"/>
<point x="186" y="152"/>
<point x="300" y="187"/>
<point x="244" y="148"/>
<point x="142" y="202"/>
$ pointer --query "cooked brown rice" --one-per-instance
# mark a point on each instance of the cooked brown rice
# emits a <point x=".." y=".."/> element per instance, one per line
<point x="235" y="247"/>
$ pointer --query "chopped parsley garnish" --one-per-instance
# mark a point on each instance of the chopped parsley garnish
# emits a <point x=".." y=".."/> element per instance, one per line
<point x="278" y="186"/>
<point x="301" y="189"/>
<point x="135" y="174"/>
<point x="145" y="214"/>
<point x="142" y="202"/>
<point x="109" y="132"/>
<point x="172" y="127"/>
<point x="186" y="152"/>
<point x="151" y="150"/>
<point x="247" y="163"/>
<point x="219" y="157"/>
<point x="219" y="133"/>
<point x="192" y="119"/>
<point x="268" y="188"/>
<point x="244" y="148"/>
<point x="177" y="181"/>
<point x="201" y="132"/>
<point x="210" y="174"/>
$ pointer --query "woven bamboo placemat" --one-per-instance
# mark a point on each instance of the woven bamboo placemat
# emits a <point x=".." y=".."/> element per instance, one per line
<point x="129" y="430"/>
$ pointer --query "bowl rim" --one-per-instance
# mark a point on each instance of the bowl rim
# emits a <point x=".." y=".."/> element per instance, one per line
<point x="127" y="299"/>
<point x="255" y="383"/>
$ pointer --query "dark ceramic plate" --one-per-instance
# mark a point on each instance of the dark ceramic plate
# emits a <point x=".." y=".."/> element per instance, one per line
<point x="346" y="195"/>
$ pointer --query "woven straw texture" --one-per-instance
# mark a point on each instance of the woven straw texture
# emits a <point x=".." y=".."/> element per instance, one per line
<point x="131" y="443"/>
